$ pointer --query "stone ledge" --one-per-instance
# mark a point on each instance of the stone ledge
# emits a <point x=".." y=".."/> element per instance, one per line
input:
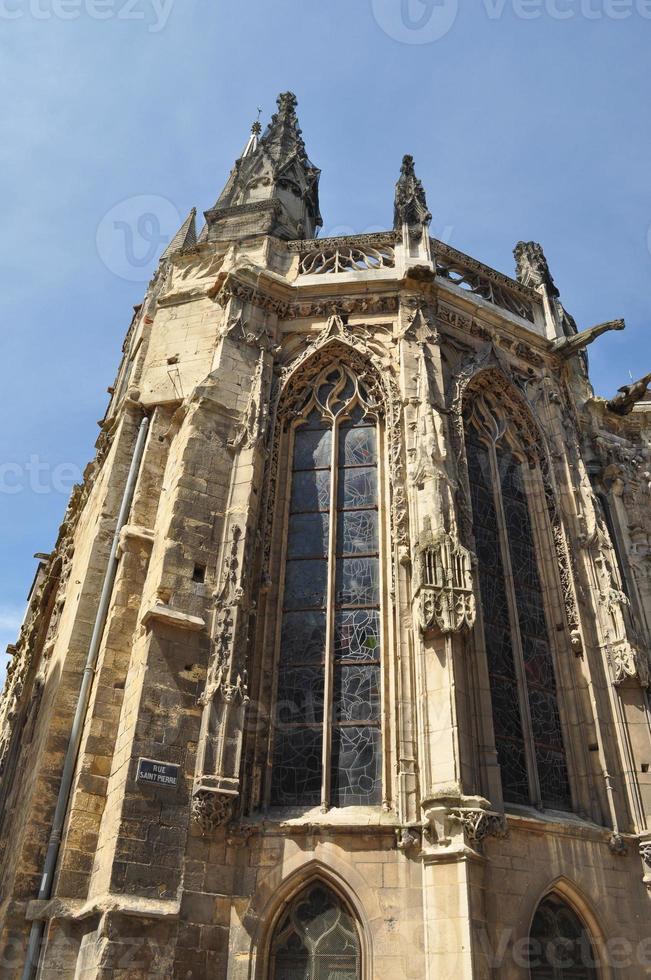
<point x="77" y="909"/>
<point x="160" y="613"/>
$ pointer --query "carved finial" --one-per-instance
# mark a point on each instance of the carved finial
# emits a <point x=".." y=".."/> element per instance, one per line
<point x="624" y="403"/>
<point x="410" y="202"/>
<point x="286" y="102"/>
<point x="532" y="268"/>
<point x="252" y="144"/>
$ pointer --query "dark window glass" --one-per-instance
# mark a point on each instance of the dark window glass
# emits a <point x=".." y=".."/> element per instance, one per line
<point x="507" y="722"/>
<point x="536" y="652"/>
<point x="345" y="456"/>
<point x="316" y="939"/>
<point x="515" y="627"/>
<point x="560" y="947"/>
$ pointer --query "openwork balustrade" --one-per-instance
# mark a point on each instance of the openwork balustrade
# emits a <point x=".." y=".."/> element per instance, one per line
<point x="481" y="281"/>
<point x="347" y="258"/>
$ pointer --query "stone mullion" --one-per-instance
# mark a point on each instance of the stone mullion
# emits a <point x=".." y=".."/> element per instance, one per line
<point x="328" y="701"/>
<point x="480" y="695"/>
<point x="394" y="672"/>
<point x="572" y="709"/>
<point x="516" y="640"/>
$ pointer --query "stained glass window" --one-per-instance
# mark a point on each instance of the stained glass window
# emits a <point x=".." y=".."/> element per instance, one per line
<point x="316" y="939"/>
<point x="560" y="947"/>
<point x="327" y="742"/>
<point x="526" y="721"/>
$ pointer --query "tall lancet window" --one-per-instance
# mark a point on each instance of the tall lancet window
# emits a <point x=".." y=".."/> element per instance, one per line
<point x="526" y="720"/>
<point x="327" y="738"/>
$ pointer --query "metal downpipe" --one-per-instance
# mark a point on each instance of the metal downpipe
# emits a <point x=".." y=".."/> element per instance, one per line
<point x="61" y="809"/>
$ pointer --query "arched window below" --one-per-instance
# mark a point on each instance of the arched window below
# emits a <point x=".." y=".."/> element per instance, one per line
<point x="561" y="948"/>
<point x="315" y="939"/>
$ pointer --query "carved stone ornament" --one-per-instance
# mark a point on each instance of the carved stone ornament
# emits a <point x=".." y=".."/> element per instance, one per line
<point x="229" y="595"/>
<point x="617" y="845"/>
<point x="410" y="206"/>
<point x="231" y="287"/>
<point x="479" y="824"/>
<point x="447" y="600"/>
<point x="532" y="268"/>
<point x="629" y="395"/>
<point x="407" y="838"/>
<point x="645" y="854"/>
<point x="211" y="810"/>
<point x="627" y="662"/>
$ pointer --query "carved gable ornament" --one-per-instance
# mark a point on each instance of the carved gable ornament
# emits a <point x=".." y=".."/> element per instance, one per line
<point x="447" y="599"/>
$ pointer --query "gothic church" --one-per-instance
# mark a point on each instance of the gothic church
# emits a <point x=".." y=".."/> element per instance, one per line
<point x="339" y="667"/>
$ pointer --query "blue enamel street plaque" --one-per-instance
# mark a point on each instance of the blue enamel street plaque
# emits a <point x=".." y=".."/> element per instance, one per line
<point x="157" y="773"/>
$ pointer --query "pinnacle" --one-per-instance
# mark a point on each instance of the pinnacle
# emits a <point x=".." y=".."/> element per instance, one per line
<point x="185" y="237"/>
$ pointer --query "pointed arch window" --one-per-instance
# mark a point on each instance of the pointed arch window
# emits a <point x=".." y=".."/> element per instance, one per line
<point x="316" y="939"/>
<point x="526" y="718"/>
<point x="327" y="737"/>
<point x="560" y="947"/>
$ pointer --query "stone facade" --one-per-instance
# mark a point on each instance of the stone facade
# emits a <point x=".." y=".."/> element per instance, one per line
<point x="442" y="875"/>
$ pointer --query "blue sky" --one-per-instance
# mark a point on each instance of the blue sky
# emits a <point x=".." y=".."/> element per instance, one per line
<point x="528" y="119"/>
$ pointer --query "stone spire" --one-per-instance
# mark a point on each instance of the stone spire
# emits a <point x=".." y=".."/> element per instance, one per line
<point x="185" y="237"/>
<point x="273" y="188"/>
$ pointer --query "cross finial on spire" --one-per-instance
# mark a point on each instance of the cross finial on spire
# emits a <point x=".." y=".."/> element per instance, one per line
<point x="256" y="129"/>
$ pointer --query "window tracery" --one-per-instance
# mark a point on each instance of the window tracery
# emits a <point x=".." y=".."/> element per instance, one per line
<point x="327" y="738"/>
<point x="316" y="939"/>
<point x="526" y="719"/>
<point x="560" y="947"/>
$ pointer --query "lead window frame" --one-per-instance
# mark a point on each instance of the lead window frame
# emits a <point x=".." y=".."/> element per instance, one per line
<point x="496" y="429"/>
<point x="373" y="417"/>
